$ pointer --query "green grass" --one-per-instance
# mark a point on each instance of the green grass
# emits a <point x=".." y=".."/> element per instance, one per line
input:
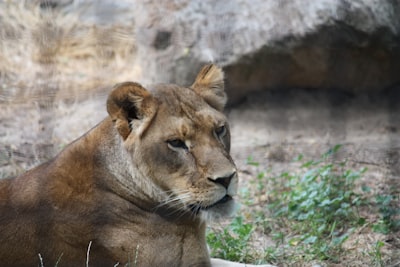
<point x="232" y="242"/>
<point x="308" y="215"/>
<point x="389" y="214"/>
<point x="376" y="254"/>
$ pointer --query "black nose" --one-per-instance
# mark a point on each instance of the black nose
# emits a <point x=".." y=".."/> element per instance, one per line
<point x="224" y="181"/>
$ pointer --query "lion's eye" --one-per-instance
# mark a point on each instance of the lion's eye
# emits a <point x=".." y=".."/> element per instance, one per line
<point x="220" y="131"/>
<point x="177" y="143"/>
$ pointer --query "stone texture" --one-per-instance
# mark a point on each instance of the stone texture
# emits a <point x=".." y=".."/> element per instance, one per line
<point x="351" y="45"/>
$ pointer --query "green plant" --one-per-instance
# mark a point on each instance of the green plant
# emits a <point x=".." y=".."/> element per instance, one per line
<point x="231" y="242"/>
<point x="376" y="254"/>
<point x="306" y="216"/>
<point x="389" y="212"/>
<point x="319" y="204"/>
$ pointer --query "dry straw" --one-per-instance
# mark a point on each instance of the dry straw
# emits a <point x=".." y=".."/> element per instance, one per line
<point x="56" y="47"/>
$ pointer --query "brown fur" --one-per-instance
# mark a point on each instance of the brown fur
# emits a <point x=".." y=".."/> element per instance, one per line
<point x="128" y="187"/>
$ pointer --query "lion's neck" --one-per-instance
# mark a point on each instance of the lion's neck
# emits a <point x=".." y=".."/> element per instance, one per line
<point x="118" y="173"/>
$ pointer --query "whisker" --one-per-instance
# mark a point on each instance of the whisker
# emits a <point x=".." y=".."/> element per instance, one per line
<point x="174" y="201"/>
<point x="175" y="198"/>
<point x="178" y="204"/>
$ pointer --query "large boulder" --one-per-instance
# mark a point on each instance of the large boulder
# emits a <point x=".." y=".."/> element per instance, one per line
<point x="351" y="45"/>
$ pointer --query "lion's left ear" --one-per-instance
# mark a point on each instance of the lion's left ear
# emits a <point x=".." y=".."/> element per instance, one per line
<point x="131" y="104"/>
<point x="209" y="84"/>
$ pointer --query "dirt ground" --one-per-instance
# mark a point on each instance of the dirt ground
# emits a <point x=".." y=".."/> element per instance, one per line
<point x="276" y="126"/>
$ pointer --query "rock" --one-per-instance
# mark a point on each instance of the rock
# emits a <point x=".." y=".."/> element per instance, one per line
<point x="351" y="45"/>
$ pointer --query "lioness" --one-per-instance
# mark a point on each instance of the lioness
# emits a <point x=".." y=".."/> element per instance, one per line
<point x="136" y="190"/>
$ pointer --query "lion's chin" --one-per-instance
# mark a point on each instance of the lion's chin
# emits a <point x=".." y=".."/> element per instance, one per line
<point x="223" y="208"/>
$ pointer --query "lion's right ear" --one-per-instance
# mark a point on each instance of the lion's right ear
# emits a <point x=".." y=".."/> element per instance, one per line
<point x="130" y="101"/>
<point x="209" y="84"/>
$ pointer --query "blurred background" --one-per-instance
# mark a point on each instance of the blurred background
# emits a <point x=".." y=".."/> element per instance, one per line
<point x="302" y="76"/>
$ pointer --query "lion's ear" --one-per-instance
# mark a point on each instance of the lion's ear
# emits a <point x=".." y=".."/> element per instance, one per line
<point x="127" y="102"/>
<point x="209" y="84"/>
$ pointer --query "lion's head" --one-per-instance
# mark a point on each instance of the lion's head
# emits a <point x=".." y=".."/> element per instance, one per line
<point x="178" y="142"/>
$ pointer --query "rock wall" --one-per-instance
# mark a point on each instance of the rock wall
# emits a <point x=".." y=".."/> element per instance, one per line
<point x="351" y="45"/>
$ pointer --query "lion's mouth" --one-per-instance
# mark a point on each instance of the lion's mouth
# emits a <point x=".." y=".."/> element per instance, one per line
<point x="196" y="208"/>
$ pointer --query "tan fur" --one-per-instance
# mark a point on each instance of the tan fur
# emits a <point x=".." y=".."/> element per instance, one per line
<point x="139" y="187"/>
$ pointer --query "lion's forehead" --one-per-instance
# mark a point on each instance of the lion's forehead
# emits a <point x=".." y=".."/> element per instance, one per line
<point x="185" y="110"/>
<point x="190" y="125"/>
<point x="206" y="117"/>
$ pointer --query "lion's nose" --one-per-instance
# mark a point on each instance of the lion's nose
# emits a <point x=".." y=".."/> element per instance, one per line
<point x="224" y="181"/>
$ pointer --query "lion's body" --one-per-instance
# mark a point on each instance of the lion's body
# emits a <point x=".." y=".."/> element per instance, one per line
<point x="136" y="190"/>
<point x="59" y="208"/>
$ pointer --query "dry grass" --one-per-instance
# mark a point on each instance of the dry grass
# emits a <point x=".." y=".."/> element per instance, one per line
<point x="56" y="68"/>
<point x="57" y="49"/>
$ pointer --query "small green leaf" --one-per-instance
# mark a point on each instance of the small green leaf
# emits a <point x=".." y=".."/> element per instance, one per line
<point x="381" y="227"/>
<point x="250" y="161"/>
<point x="310" y="240"/>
